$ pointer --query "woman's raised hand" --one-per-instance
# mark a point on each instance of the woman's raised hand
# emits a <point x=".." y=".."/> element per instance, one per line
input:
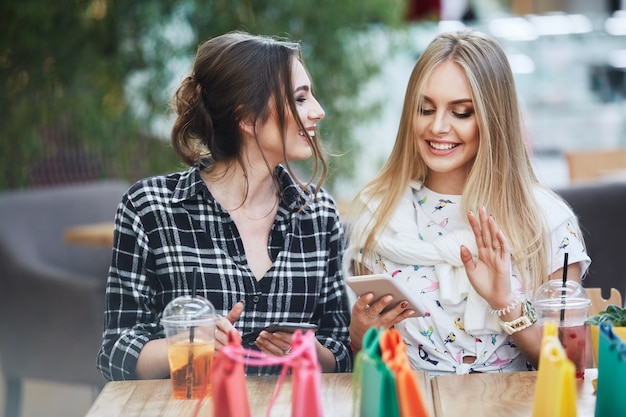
<point x="490" y="275"/>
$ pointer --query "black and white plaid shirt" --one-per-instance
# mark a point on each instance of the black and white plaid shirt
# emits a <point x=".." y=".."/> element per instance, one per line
<point x="168" y="225"/>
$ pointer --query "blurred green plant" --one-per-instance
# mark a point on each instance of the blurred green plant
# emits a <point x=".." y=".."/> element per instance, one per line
<point x="613" y="314"/>
<point x="86" y="83"/>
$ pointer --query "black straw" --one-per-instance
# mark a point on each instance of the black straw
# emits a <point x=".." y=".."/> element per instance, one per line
<point x="564" y="287"/>
<point x="189" y="375"/>
<point x="193" y="296"/>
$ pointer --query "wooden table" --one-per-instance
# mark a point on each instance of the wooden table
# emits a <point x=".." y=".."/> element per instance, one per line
<point x="508" y="394"/>
<point x="99" y="234"/>
<point x="152" y="398"/>
<point x="485" y="395"/>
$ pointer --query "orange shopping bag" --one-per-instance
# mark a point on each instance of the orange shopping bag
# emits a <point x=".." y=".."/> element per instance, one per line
<point x="393" y="353"/>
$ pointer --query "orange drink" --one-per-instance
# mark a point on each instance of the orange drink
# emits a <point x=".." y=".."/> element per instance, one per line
<point x="190" y="368"/>
<point x="189" y="324"/>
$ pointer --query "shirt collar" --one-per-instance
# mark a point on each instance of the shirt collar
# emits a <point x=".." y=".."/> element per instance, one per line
<point x="190" y="184"/>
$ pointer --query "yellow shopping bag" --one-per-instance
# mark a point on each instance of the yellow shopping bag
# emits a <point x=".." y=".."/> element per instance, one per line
<point x="555" y="391"/>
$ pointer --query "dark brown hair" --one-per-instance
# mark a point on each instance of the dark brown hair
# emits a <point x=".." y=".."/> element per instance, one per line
<point x="237" y="76"/>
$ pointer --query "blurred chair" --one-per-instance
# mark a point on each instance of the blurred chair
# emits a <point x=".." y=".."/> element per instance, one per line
<point x="599" y="303"/>
<point x="591" y="165"/>
<point x="601" y="208"/>
<point x="52" y="296"/>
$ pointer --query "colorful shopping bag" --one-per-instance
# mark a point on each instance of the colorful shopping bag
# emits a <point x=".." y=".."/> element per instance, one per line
<point x="306" y="380"/>
<point x="229" y="391"/>
<point x="230" y="397"/>
<point x="393" y="353"/>
<point x="611" y="373"/>
<point x="373" y="382"/>
<point x="555" y="390"/>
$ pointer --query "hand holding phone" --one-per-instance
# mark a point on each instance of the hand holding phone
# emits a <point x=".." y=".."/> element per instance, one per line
<point x="381" y="285"/>
<point x="288" y="327"/>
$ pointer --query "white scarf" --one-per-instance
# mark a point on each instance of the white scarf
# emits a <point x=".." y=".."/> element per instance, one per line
<point x="400" y="243"/>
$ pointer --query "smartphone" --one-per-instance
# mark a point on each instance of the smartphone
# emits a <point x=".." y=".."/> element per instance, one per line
<point x="290" y="327"/>
<point x="248" y="339"/>
<point x="381" y="285"/>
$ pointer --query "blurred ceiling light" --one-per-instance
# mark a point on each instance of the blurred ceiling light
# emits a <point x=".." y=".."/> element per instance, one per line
<point x="616" y="25"/>
<point x="450" y="25"/>
<point x="512" y="28"/>
<point x="561" y="24"/>
<point x="617" y="58"/>
<point x="521" y="63"/>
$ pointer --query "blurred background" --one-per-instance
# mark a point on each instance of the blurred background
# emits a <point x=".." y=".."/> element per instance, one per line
<point x="86" y="84"/>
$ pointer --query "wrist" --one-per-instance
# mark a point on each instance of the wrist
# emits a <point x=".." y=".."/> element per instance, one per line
<point x="503" y="309"/>
<point x="527" y="319"/>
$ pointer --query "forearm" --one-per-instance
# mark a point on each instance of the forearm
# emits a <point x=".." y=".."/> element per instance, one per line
<point x="326" y="358"/>
<point x="528" y="341"/>
<point x="152" y="362"/>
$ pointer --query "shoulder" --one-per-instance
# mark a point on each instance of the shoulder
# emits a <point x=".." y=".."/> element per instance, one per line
<point x="372" y="200"/>
<point x="323" y="207"/>
<point x="321" y="202"/>
<point x="153" y="188"/>
<point x="163" y="189"/>
<point x="554" y="208"/>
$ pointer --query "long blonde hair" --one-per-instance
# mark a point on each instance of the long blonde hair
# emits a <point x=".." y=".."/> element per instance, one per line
<point x="501" y="177"/>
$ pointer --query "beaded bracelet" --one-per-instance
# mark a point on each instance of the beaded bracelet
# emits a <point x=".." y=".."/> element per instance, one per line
<point x="506" y="309"/>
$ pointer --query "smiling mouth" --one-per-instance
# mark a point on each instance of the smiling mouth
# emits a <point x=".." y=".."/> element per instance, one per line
<point x="311" y="133"/>
<point x="442" y="146"/>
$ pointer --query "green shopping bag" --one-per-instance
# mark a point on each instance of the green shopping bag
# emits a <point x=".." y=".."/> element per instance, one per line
<point x="611" y="371"/>
<point x="373" y="382"/>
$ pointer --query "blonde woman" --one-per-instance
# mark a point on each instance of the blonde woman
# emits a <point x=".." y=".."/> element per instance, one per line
<point x="458" y="216"/>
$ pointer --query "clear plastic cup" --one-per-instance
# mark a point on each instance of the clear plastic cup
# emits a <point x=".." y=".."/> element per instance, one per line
<point x="566" y="305"/>
<point x="189" y="325"/>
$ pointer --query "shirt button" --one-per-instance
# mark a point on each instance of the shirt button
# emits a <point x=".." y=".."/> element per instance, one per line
<point x="256" y="299"/>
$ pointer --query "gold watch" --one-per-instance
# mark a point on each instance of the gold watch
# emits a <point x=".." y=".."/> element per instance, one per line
<point x="529" y="316"/>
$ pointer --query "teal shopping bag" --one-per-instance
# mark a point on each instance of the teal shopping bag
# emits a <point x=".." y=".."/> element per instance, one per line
<point x="611" y="373"/>
<point x="374" y="383"/>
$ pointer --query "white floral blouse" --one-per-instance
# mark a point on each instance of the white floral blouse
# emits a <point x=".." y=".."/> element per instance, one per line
<point x="437" y="341"/>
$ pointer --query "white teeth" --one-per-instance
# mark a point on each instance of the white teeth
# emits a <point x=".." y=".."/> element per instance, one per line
<point x="311" y="133"/>
<point x="442" y="146"/>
